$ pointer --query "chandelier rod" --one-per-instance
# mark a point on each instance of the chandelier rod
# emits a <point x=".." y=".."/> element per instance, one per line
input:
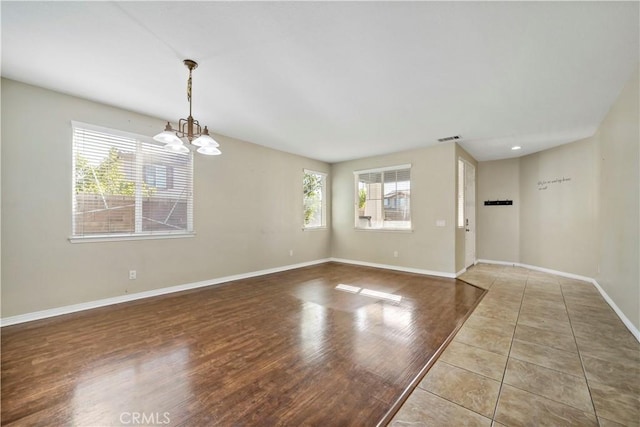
<point x="191" y="67"/>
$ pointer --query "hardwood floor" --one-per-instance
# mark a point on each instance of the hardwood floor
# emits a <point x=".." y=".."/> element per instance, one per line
<point x="282" y="349"/>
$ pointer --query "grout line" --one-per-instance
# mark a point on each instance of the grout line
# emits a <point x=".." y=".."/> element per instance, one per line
<point x="456" y="403"/>
<point x="482" y="348"/>
<point x="495" y="409"/>
<point x="468" y="370"/>
<point x="546" y="367"/>
<point x="550" y="400"/>
<point x="586" y="380"/>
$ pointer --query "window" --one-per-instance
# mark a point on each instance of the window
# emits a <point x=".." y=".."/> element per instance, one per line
<point x="460" y="193"/>
<point x="383" y="198"/>
<point x="127" y="185"/>
<point x="314" y="199"/>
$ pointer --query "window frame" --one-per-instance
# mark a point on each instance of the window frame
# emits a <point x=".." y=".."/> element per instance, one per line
<point x="356" y="192"/>
<point x="323" y="205"/>
<point x="461" y="195"/>
<point x="136" y="235"/>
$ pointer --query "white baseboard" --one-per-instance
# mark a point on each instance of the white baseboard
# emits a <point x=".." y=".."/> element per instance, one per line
<point x="632" y="328"/>
<point x="58" y="311"/>
<point x="490" y="261"/>
<point x="625" y="320"/>
<point x="395" y="267"/>
<point x="461" y="272"/>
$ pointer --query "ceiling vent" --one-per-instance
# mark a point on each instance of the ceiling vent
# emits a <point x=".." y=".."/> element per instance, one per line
<point x="450" y="138"/>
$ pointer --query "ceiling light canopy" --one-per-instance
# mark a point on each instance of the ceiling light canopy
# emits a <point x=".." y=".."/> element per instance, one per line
<point x="189" y="129"/>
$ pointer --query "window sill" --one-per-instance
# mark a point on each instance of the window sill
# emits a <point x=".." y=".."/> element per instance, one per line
<point x="386" y="230"/>
<point x="314" y="228"/>
<point x="123" y="237"/>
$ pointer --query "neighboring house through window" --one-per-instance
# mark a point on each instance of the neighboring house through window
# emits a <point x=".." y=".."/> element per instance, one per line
<point x="383" y="198"/>
<point x="127" y="185"/>
<point x="159" y="176"/>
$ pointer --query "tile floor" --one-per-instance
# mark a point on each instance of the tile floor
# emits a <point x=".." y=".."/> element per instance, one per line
<point x="539" y="350"/>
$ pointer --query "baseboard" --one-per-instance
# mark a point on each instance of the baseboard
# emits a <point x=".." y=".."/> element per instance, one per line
<point x="619" y="312"/>
<point x="461" y="272"/>
<point x="58" y="311"/>
<point x="630" y="326"/>
<point x="491" y="261"/>
<point x="557" y="273"/>
<point x="395" y="267"/>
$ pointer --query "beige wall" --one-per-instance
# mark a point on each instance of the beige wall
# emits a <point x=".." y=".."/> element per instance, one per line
<point x="428" y="247"/>
<point x="588" y="225"/>
<point x="552" y="223"/>
<point x="460" y="232"/>
<point x="618" y="142"/>
<point x="558" y="219"/>
<point x="247" y="211"/>
<point x="499" y="226"/>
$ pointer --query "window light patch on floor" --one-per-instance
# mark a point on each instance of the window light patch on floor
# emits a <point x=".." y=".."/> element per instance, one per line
<point x="379" y="294"/>
<point x="348" y="288"/>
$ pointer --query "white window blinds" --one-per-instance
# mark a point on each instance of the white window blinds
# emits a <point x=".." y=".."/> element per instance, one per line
<point x="383" y="198"/>
<point x="127" y="185"/>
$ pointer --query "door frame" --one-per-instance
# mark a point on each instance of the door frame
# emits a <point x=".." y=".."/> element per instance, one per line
<point x="470" y="214"/>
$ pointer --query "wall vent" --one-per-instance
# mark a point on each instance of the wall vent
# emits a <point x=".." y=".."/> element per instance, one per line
<point x="450" y="138"/>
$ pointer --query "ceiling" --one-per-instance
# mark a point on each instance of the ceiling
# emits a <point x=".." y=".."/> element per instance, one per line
<point x="340" y="80"/>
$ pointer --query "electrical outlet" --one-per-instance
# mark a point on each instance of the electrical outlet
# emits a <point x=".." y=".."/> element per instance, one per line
<point x="395" y="254"/>
<point x="290" y="252"/>
<point x="132" y="275"/>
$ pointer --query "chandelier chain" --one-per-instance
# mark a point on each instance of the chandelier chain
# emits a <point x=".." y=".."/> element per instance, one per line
<point x="189" y="91"/>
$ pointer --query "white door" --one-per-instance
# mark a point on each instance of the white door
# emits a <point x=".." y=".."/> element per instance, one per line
<point x="470" y="214"/>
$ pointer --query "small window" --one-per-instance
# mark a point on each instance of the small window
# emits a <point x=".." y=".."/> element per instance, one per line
<point x="127" y="185"/>
<point x="460" y="193"/>
<point x="314" y="199"/>
<point x="383" y="198"/>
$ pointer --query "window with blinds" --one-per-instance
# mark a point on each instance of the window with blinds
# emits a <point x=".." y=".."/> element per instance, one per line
<point x="127" y="185"/>
<point x="383" y="198"/>
<point x="314" y="199"/>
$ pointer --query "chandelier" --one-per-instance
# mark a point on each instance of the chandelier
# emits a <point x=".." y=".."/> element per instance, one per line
<point x="189" y="129"/>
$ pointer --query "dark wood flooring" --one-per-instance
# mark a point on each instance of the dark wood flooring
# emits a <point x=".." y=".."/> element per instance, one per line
<point x="281" y="349"/>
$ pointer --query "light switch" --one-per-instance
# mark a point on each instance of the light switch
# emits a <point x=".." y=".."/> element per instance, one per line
<point x="441" y="223"/>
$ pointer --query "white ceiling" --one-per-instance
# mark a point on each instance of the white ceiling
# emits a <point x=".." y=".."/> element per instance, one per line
<point x="340" y="80"/>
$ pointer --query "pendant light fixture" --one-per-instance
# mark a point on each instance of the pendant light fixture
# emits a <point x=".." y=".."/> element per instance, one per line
<point x="188" y="128"/>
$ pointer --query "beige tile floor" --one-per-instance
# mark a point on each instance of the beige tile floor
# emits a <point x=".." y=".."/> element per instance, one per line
<point x="539" y="350"/>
